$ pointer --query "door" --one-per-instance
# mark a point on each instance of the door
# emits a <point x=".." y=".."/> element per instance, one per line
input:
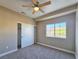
<point x="27" y="35"/>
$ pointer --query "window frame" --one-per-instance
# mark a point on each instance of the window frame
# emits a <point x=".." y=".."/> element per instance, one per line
<point x="54" y="35"/>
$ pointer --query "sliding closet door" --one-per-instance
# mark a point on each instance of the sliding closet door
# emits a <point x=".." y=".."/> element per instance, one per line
<point x="27" y="35"/>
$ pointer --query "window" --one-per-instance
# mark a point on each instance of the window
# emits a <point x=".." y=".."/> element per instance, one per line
<point x="56" y="30"/>
<point x="50" y="30"/>
<point x="60" y="30"/>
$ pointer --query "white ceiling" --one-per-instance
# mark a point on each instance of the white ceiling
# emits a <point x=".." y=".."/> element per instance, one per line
<point x="16" y="5"/>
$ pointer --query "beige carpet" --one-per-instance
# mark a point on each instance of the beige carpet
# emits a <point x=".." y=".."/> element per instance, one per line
<point x="38" y="52"/>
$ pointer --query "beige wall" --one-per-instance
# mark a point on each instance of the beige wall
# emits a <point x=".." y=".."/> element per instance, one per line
<point x="8" y="28"/>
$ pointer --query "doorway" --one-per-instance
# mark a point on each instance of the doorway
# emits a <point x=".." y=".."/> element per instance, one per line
<point x="25" y="35"/>
<point x="19" y="35"/>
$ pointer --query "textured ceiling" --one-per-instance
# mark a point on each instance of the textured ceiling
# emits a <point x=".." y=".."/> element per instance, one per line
<point x="16" y="5"/>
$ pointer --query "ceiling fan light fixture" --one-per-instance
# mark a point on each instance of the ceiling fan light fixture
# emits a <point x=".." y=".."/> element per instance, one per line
<point x="36" y="5"/>
<point x="36" y="8"/>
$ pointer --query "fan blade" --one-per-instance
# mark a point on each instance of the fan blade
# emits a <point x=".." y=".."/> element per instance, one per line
<point x="33" y="12"/>
<point x="26" y="6"/>
<point x="44" y="4"/>
<point x="41" y="10"/>
<point x="34" y="1"/>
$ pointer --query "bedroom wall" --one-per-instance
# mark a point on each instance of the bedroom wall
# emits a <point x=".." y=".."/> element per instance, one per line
<point x="8" y="28"/>
<point x="68" y="43"/>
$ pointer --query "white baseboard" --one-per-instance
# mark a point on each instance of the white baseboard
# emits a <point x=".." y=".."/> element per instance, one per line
<point x="3" y="54"/>
<point x="57" y="48"/>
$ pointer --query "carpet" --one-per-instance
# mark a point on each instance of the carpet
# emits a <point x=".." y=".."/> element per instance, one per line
<point x="38" y="52"/>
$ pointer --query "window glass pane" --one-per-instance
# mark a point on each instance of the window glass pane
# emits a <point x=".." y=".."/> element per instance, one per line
<point x="50" y="30"/>
<point x="60" y="30"/>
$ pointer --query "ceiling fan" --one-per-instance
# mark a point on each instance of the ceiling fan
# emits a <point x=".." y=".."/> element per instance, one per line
<point x="37" y="6"/>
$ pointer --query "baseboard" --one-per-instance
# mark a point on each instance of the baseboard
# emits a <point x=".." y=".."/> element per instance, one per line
<point x="68" y="51"/>
<point x="3" y="54"/>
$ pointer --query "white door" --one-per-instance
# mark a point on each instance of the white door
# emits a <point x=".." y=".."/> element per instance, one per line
<point x="27" y="35"/>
